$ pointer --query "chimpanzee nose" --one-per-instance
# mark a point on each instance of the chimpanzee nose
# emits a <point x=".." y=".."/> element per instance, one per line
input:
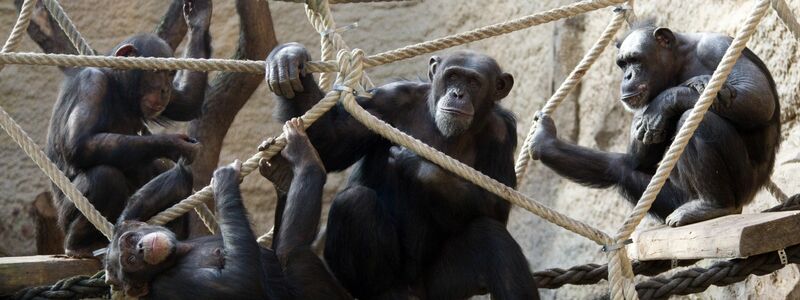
<point x="456" y="94"/>
<point x="628" y="76"/>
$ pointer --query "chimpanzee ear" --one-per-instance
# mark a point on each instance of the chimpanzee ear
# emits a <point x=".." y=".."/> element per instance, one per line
<point x="664" y="37"/>
<point x="126" y="50"/>
<point x="504" y="84"/>
<point x="432" y="66"/>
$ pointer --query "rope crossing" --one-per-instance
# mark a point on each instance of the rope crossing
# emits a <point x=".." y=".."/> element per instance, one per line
<point x="350" y="64"/>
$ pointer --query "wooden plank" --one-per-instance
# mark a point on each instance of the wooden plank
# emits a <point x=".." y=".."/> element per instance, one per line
<point x="732" y="236"/>
<point x="24" y="271"/>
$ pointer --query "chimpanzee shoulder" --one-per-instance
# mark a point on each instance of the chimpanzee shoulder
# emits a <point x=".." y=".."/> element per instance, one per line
<point x="402" y="92"/>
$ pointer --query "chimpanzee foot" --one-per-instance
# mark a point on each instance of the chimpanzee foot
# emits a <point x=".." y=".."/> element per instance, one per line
<point x="299" y="151"/>
<point x="696" y="211"/>
<point x="278" y="171"/>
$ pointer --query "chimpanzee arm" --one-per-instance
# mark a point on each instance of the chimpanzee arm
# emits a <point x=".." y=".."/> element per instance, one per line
<point x="86" y="143"/>
<point x="158" y="194"/>
<point x="339" y="139"/>
<point x="748" y="96"/>
<point x="583" y="165"/>
<point x="242" y="253"/>
<point x="300" y="217"/>
<point x="190" y="86"/>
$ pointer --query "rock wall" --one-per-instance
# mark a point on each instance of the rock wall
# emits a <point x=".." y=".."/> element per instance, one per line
<point x="539" y="58"/>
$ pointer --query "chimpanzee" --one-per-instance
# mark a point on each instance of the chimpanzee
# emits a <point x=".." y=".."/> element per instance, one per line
<point x="146" y="260"/>
<point x="728" y="159"/>
<point x="403" y="226"/>
<point x="98" y="134"/>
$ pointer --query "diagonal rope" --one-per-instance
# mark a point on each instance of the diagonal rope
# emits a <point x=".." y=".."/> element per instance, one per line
<point x="30" y="147"/>
<point x="619" y="263"/>
<point x="569" y="84"/>
<point x="787" y="16"/>
<point x="68" y="27"/>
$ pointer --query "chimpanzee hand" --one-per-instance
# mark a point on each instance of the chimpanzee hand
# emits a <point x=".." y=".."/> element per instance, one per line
<point x="284" y="68"/>
<point x="197" y="14"/>
<point x="724" y="97"/>
<point x="651" y="127"/>
<point x="224" y="177"/>
<point x="544" y="135"/>
<point x="183" y="147"/>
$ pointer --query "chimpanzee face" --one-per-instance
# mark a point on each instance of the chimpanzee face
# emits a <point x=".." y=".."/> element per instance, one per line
<point x="156" y="92"/>
<point x="136" y="254"/>
<point x="465" y="86"/>
<point x="648" y="66"/>
<point x="151" y="88"/>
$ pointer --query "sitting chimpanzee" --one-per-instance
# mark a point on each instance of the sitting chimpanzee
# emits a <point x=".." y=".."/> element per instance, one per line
<point x="146" y="260"/>
<point x="403" y="226"/>
<point x="728" y="159"/>
<point x="98" y="134"/>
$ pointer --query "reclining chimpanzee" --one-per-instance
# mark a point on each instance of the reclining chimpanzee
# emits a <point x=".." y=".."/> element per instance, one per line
<point x="148" y="261"/>
<point x="403" y="226"/>
<point x="729" y="158"/>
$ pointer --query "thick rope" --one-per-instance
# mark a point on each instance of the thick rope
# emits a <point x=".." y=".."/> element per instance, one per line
<point x="257" y="67"/>
<point x="76" y="287"/>
<point x="319" y="15"/>
<point x="24" y="19"/>
<point x="51" y="170"/>
<point x="207" y="216"/>
<point x="34" y="152"/>
<point x="619" y="263"/>
<point x="68" y="27"/>
<point x="569" y="84"/>
<point x="787" y="16"/>
<point x="696" y="280"/>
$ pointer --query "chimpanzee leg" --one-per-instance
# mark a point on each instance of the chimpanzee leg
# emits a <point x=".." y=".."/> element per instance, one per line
<point x="362" y="246"/>
<point x="484" y="256"/>
<point x="714" y="165"/>
<point x="107" y="189"/>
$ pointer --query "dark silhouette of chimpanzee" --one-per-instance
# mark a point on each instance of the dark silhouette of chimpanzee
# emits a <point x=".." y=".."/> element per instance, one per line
<point x="98" y="134"/>
<point x="148" y="261"/>
<point x="403" y="226"/>
<point x="728" y="159"/>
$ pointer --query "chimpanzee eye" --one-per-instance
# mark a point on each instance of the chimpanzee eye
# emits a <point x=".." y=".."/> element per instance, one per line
<point x="621" y="63"/>
<point x="451" y="77"/>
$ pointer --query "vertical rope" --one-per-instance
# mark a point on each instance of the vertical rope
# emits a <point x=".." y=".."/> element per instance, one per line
<point x="619" y="264"/>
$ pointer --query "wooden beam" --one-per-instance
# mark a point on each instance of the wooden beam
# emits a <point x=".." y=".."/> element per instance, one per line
<point x="732" y="236"/>
<point x="25" y="271"/>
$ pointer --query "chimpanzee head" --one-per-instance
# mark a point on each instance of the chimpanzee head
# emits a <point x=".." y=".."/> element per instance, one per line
<point x="464" y="89"/>
<point x="136" y="254"/>
<point x="150" y="90"/>
<point x="648" y="61"/>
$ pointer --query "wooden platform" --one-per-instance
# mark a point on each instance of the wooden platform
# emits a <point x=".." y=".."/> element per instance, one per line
<point x="24" y="271"/>
<point x="731" y="236"/>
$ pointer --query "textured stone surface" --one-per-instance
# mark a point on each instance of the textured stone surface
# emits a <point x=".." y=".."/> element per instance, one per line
<point x="538" y="58"/>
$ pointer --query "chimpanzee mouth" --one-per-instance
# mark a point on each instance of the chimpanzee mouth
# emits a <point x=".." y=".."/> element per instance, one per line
<point x="633" y="100"/>
<point x="455" y="111"/>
